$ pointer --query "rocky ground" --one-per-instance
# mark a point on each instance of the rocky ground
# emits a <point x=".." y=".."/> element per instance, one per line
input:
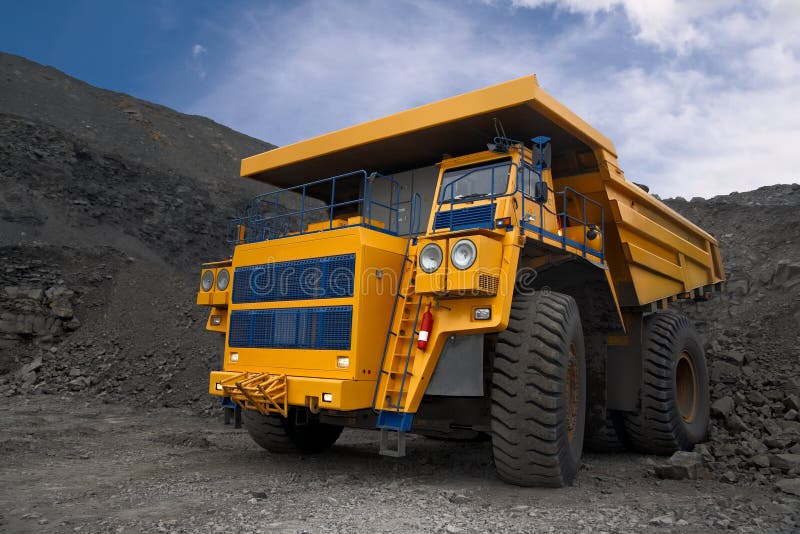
<point x="79" y="465"/>
<point x="107" y="206"/>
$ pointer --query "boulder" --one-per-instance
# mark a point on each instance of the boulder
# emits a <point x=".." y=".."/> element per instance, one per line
<point x="790" y="427"/>
<point x="756" y="398"/>
<point x="11" y="292"/>
<point x="35" y="294"/>
<point x="681" y="465"/>
<point x="736" y="358"/>
<point x="785" y="462"/>
<point x="735" y="424"/>
<point x="663" y="521"/>
<point x="722" y="407"/>
<point x="77" y="384"/>
<point x="30" y="367"/>
<point x="789" y="485"/>
<point x="760" y="460"/>
<point x="787" y="274"/>
<point x="722" y="371"/>
<point x="792" y="402"/>
<point x="59" y="301"/>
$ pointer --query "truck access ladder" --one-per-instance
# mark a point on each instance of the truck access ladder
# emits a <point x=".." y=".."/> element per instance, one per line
<point x="397" y="377"/>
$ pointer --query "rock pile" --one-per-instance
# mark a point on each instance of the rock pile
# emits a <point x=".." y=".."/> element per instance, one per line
<point x="33" y="313"/>
<point x="751" y="333"/>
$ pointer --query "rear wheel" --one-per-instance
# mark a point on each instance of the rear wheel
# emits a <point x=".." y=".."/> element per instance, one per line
<point x="283" y="434"/>
<point x="674" y="412"/>
<point x="539" y="392"/>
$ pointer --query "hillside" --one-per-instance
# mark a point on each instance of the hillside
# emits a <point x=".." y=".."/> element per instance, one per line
<point x="108" y="206"/>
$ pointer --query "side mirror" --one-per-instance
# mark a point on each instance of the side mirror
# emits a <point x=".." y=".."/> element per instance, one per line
<point x="540" y="192"/>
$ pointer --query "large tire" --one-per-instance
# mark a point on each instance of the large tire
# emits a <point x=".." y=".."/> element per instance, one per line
<point x="674" y="410"/>
<point x="539" y="392"/>
<point x="283" y="435"/>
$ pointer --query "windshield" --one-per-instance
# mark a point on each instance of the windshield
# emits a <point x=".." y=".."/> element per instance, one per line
<point x="475" y="181"/>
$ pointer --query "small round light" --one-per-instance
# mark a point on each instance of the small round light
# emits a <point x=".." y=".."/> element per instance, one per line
<point x="430" y="258"/>
<point x="223" y="279"/>
<point x="463" y="254"/>
<point x="207" y="281"/>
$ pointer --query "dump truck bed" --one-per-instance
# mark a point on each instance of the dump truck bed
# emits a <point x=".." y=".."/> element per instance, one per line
<point x="653" y="253"/>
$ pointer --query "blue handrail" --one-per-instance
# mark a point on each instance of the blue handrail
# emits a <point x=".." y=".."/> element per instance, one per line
<point x="265" y="218"/>
<point x="563" y="216"/>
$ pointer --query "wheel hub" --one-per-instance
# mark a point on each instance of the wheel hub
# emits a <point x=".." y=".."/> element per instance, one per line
<point x="686" y="387"/>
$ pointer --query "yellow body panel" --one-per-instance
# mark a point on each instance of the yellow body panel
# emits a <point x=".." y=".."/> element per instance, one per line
<point x="373" y="296"/>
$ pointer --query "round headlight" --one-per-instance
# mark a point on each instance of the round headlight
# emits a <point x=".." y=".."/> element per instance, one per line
<point x="463" y="254"/>
<point x="207" y="280"/>
<point x="223" y="279"/>
<point x="430" y="258"/>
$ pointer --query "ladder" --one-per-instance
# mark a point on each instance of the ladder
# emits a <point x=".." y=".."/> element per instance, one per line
<point x="396" y="377"/>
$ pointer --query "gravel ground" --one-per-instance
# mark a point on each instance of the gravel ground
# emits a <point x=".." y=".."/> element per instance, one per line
<point x="80" y="466"/>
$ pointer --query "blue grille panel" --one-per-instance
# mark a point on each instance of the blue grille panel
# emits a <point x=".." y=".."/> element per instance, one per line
<point x="465" y="218"/>
<point x="326" y="327"/>
<point x="314" y="278"/>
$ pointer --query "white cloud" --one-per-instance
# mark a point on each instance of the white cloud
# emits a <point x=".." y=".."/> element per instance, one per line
<point x="317" y="67"/>
<point x="698" y="97"/>
<point x="197" y="64"/>
<point x="677" y="25"/>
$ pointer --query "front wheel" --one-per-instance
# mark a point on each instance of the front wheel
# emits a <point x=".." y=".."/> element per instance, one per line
<point x="674" y="411"/>
<point x="539" y="392"/>
<point x="284" y="435"/>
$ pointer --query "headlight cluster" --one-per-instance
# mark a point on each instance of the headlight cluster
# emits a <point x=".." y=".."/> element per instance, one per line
<point x="430" y="258"/>
<point x="462" y="255"/>
<point x="223" y="279"/>
<point x="207" y="280"/>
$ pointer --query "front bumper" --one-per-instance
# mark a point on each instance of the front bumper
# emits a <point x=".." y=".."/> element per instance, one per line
<point x="344" y="395"/>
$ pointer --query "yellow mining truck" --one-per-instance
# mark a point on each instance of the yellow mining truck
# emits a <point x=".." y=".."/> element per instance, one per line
<point x="475" y="266"/>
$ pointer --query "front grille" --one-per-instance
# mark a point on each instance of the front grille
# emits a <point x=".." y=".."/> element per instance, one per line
<point x="326" y="327"/>
<point x="465" y="218"/>
<point x="314" y="278"/>
<point x="488" y="284"/>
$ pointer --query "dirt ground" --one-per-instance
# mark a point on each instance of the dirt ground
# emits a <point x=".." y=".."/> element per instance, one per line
<point x="71" y="464"/>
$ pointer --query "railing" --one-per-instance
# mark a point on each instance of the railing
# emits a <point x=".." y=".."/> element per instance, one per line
<point x="452" y="200"/>
<point x="265" y="218"/>
<point x="584" y="222"/>
<point x="596" y="224"/>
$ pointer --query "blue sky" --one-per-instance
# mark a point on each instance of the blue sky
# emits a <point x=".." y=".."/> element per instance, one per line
<point x="700" y="97"/>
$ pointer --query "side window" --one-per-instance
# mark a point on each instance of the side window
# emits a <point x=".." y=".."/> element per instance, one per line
<point x="528" y="179"/>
